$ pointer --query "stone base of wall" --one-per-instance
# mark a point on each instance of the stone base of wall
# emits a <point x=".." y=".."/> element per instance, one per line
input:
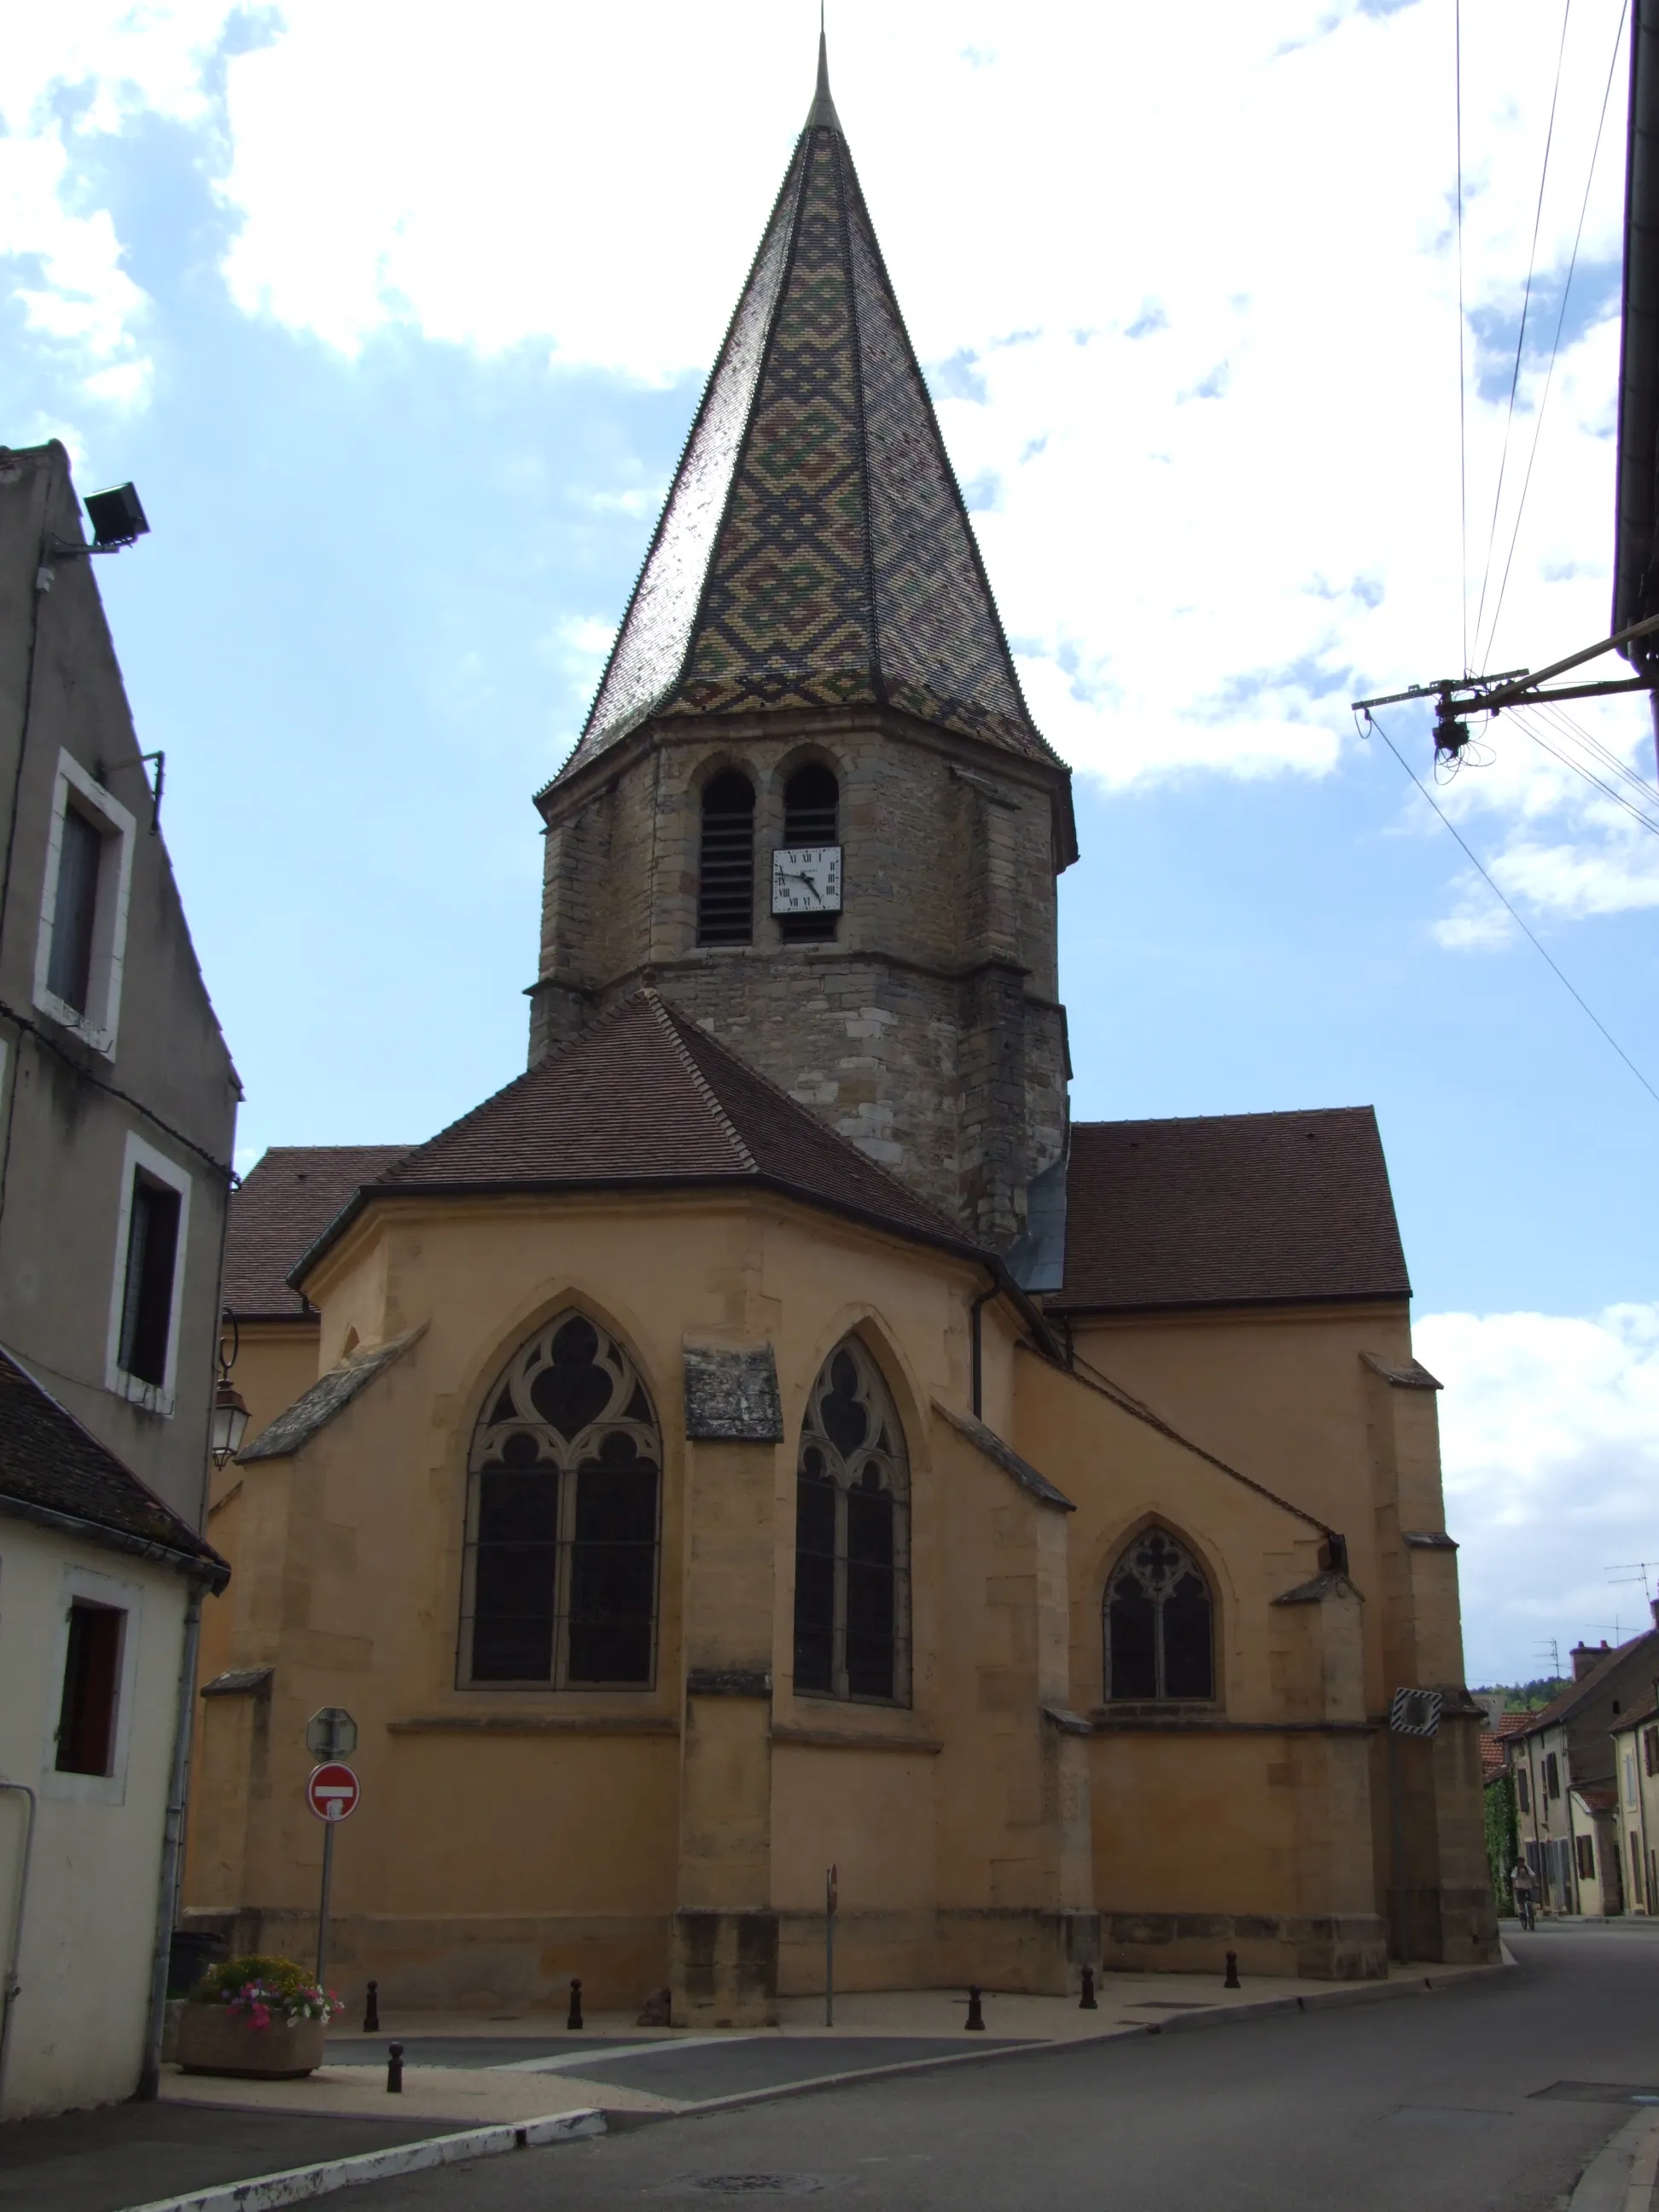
<point x="472" y="1963"/>
<point x="1336" y="1948"/>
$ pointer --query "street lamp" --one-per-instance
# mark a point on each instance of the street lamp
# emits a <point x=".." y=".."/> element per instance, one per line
<point x="230" y="1415"/>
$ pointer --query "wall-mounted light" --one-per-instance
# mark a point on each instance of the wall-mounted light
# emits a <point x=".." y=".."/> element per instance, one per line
<point x="230" y="1414"/>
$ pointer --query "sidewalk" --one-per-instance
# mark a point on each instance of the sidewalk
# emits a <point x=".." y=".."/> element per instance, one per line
<point x="488" y="2077"/>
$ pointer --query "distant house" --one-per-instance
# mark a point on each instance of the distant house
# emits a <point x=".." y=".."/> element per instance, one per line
<point x="1566" y="1787"/>
<point x="1502" y="1821"/>
<point x="117" y="1101"/>
<point x="1636" y="1754"/>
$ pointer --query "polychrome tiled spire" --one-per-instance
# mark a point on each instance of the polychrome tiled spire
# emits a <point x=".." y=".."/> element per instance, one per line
<point x="814" y="550"/>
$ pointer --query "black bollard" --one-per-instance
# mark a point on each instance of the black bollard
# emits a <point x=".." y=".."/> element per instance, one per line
<point x="575" y="2018"/>
<point x="1086" y="2002"/>
<point x="372" y="2010"/>
<point x="394" y="2071"/>
<point x="1232" y="1981"/>
<point x="976" y="2017"/>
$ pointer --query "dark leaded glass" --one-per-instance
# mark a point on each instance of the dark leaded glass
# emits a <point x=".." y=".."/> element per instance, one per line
<point x="851" y="1586"/>
<point x="563" y="1567"/>
<point x="515" y="1575"/>
<point x="1159" y="1633"/>
<point x="613" y="1566"/>
<point x="815" y="1582"/>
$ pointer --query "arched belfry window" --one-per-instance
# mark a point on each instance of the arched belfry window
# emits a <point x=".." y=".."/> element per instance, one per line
<point x="725" y="861"/>
<point x="561" y="1518"/>
<point x="811" y="818"/>
<point x="852" y="1536"/>
<point x="1159" y="1623"/>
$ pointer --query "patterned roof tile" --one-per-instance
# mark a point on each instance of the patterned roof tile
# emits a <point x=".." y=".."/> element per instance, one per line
<point x="814" y="551"/>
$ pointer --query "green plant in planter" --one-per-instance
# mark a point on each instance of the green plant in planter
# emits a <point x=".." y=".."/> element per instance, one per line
<point x="265" y="1989"/>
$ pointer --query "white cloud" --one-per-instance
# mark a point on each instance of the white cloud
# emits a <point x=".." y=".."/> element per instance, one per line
<point x="71" y="74"/>
<point x="1550" y="1444"/>
<point x="1195" y="274"/>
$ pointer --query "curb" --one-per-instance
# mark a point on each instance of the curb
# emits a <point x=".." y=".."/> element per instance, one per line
<point x="301" y="2184"/>
<point x="1187" y="2024"/>
<point x="1621" y="2176"/>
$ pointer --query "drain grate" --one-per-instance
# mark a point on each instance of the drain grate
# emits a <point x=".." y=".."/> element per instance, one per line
<point x="759" y="2185"/>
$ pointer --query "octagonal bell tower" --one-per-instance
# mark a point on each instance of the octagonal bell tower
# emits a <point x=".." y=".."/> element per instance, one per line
<point x="809" y="802"/>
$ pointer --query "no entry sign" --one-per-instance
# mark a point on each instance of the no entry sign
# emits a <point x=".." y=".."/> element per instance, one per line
<point x="332" y="1791"/>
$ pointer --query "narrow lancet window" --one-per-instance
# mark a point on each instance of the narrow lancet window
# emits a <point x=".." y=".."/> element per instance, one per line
<point x="562" y="1519"/>
<point x="725" y="865"/>
<point x="1159" y="1628"/>
<point x="811" y="818"/>
<point x="851" y="1537"/>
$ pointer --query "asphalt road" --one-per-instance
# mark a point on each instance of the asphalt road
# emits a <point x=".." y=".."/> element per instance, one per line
<point x="1443" y="2102"/>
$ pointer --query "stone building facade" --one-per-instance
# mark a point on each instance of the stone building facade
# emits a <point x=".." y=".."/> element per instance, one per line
<point x="766" y="1433"/>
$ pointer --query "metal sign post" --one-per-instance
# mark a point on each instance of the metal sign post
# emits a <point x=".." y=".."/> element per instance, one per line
<point x="1413" y="1712"/>
<point x="830" y="1899"/>
<point x="332" y="1793"/>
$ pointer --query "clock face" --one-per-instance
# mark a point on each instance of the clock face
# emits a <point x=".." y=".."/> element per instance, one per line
<point x="806" y="880"/>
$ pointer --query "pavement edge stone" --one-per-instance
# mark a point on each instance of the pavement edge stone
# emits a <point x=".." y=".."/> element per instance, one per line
<point x="302" y="2184"/>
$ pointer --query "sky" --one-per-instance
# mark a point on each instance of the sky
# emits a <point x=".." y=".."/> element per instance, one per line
<point x="399" y="332"/>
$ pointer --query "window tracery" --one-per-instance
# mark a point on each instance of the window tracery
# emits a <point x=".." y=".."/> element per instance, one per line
<point x="852" y="1536"/>
<point x="1159" y="1631"/>
<point x="564" y="1476"/>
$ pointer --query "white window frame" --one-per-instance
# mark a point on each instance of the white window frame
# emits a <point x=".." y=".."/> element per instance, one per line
<point x="98" y="1026"/>
<point x="162" y="1398"/>
<point x="127" y="1599"/>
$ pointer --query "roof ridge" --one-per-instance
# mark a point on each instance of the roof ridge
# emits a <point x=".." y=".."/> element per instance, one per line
<point x="705" y="1089"/>
<point x="911" y="1197"/>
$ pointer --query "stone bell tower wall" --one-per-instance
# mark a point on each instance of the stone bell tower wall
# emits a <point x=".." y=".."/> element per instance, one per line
<point x="929" y="1032"/>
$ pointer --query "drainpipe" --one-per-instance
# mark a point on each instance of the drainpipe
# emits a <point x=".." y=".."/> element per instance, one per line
<point x="172" y="1844"/>
<point x="11" y="1986"/>
<point x="974" y="1335"/>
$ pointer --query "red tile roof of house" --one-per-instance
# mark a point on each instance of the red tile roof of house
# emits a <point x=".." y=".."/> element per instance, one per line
<point x="1235" y="1209"/>
<point x="286" y="1201"/>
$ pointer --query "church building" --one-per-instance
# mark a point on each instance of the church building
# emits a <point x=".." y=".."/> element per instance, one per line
<point x="769" y="1435"/>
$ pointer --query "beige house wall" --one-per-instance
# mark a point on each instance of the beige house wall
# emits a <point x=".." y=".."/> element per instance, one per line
<point x="88" y="1911"/>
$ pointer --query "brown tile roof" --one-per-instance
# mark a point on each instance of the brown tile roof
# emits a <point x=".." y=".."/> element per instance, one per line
<point x="1563" y="1706"/>
<point x="1639" y="1716"/>
<point x="285" y="1203"/>
<point x="1236" y="1209"/>
<point x="646" y="1099"/>
<point x="50" y="1465"/>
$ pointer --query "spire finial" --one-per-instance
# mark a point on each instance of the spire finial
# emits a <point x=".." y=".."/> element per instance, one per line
<point x="822" y="115"/>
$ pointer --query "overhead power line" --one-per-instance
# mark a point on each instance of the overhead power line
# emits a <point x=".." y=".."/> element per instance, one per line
<point x="1510" y="908"/>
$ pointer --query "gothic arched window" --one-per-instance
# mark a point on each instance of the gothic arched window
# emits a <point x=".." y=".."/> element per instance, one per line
<point x="851" y="1537"/>
<point x="812" y="816"/>
<point x="562" y="1517"/>
<point x="1159" y="1637"/>
<point x="725" y="861"/>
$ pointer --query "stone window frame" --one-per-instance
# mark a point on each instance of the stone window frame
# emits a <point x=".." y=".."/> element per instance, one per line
<point x="99" y="1023"/>
<point x="888" y="1455"/>
<point x="138" y="1158"/>
<point x="1161" y="1702"/>
<point x="567" y="1455"/>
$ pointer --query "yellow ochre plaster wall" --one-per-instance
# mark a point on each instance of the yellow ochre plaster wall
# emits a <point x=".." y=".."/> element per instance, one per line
<point x="1003" y="1826"/>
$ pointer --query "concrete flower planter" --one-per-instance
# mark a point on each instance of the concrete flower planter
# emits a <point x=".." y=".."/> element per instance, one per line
<point x="213" y="2039"/>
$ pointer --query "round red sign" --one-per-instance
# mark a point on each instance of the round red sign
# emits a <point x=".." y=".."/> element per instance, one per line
<point x="332" y="1791"/>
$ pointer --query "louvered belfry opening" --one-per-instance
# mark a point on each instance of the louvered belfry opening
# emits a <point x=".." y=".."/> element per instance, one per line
<point x="812" y="816"/>
<point x="725" y="865"/>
